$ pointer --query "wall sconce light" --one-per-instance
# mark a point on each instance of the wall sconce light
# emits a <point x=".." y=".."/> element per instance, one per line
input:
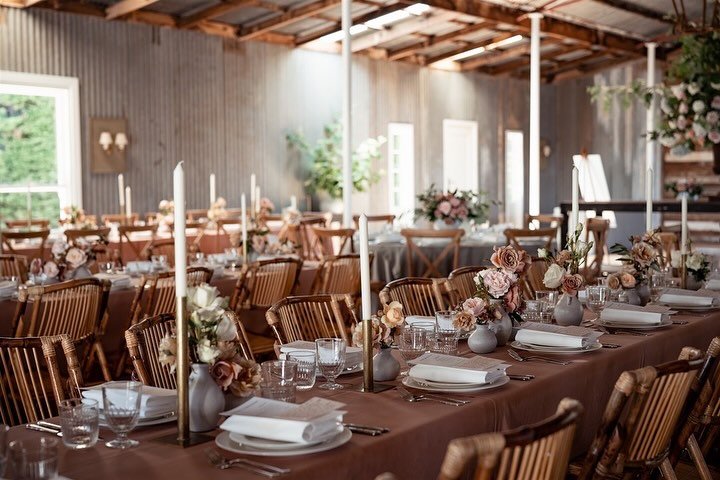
<point x="106" y="141"/>
<point x="121" y="141"/>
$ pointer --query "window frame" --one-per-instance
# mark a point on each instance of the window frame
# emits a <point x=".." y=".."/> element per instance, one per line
<point x="406" y="168"/>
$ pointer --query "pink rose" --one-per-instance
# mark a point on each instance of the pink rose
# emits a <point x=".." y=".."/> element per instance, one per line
<point x="643" y="253"/>
<point x="714" y="137"/>
<point x="497" y="281"/>
<point x="513" y="299"/>
<point x="224" y="372"/>
<point x="474" y="306"/>
<point x="510" y="259"/>
<point x="454" y="201"/>
<point x="36" y="266"/>
<point x="75" y="257"/>
<point x="51" y="269"/>
<point x="444" y="207"/>
<point x="258" y="243"/>
<point x="572" y="283"/>
<point x="627" y="280"/>
<point x="613" y="281"/>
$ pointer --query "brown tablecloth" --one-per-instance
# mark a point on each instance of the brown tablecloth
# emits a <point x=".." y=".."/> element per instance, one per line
<point x="420" y="432"/>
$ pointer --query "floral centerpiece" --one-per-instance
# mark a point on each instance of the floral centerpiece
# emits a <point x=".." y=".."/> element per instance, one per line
<point x="694" y="190"/>
<point x="69" y="261"/>
<point x="451" y="207"/>
<point x="74" y="217"/>
<point x="697" y="264"/>
<point x="217" y="210"/>
<point x="385" y="325"/>
<point x="166" y="213"/>
<point x="637" y="262"/>
<point x="266" y="207"/>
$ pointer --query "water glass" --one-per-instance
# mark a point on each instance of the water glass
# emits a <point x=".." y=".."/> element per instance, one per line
<point x="198" y="259"/>
<point x="4" y="429"/>
<point x="446" y="341"/>
<point x="33" y="458"/>
<point x="602" y="281"/>
<point x="306" y="369"/>
<point x="278" y="380"/>
<point x="533" y="310"/>
<point x="330" y="360"/>
<point x="412" y="342"/>
<point x="658" y="283"/>
<point x="597" y="297"/>
<point x="108" y="267"/>
<point x="430" y="332"/>
<point x="548" y="298"/>
<point x="121" y="407"/>
<point x="79" y="422"/>
<point x="444" y="319"/>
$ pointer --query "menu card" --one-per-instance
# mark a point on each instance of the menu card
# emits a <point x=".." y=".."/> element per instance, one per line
<point x="446" y="368"/>
<point x="545" y="334"/>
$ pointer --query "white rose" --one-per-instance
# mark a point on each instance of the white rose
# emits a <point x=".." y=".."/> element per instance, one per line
<point x="716" y="86"/>
<point x="675" y="258"/>
<point x="667" y="141"/>
<point x="693" y="88"/>
<point x="206" y="352"/>
<point x="695" y="261"/>
<point x="59" y="248"/>
<point x="553" y="276"/>
<point x="226" y="330"/>
<point x="542" y="253"/>
<point x="683" y="108"/>
<point x="75" y="257"/>
<point x="698" y="106"/>
<point x="678" y="91"/>
<point x="203" y="296"/>
<point x="665" y="106"/>
<point x="51" y="269"/>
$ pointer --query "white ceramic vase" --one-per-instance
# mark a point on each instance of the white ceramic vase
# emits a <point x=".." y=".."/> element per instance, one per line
<point x="206" y="399"/>
<point x="568" y="311"/>
<point x="482" y="340"/>
<point x="385" y="366"/>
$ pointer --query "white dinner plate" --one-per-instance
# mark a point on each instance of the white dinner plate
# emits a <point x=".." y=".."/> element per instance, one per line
<point x="546" y="349"/>
<point x="692" y="308"/>
<point x="453" y="385"/>
<point x="346" y="371"/>
<point x="634" y="326"/>
<point x="226" y="443"/>
<point x="267" y="444"/>
<point x="146" y="422"/>
<point x="421" y="385"/>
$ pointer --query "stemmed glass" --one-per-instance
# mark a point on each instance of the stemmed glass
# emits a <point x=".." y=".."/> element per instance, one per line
<point x="412" y="342"/>
<point x="330" y="360"/>
<point x="597" y="298"/>
<point x="121" y="407"/>
<point x="658" y="283"/>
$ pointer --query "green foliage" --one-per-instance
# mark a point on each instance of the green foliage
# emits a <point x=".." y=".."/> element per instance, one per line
<point x="326" y="161"/>
<point x="700" y="58"/>
<point x="27" y="154"/>
<point x="626" y="94"/>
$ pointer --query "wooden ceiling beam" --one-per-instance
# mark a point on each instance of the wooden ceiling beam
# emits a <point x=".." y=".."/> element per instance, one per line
<point x="467" y="46"/>
<point x="152" y="18"/>
<point x="512" y="66"/>
<point x="590" y="69"/>
<point x="495" y="56"/>
<point x="287" y="18"/>
<point x="638" y="9"/>
<point x="400" y="29"/>
<point x="214" y="11"/>
<point x="126" y="6"/>
<point x="571" y="64"/>
<point x="434" y="40"/>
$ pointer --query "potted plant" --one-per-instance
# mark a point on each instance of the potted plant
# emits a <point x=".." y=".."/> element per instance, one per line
<point x="326" y="175"/>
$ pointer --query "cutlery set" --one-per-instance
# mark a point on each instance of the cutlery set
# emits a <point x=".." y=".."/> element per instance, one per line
<point x="219" y="461"/>
<point x="514" y="354"/>
<point x="366" y="429"/>
<point x="426" y="397"/>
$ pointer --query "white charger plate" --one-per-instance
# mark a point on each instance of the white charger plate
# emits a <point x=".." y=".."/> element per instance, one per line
<point x="147" y="422"/>
<point x="546" y="349"/>
<point x="267" y="444"/>
<point x="420" y="384"/>
<point x="224" y="441"/>
<point x="692" y="308"/>
<point x="634" y="326"/>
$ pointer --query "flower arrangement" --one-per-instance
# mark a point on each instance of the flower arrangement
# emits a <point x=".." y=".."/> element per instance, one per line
<point x="74" y="217"/>
<point x="385" y="325"/>
<point x="452" y="206"/>
<point x="637" y="260"/>
<point x="498" y="290"/>
<point x="67" y="259"/>
<point x="166" y="212"/>
<point x="266" y="206"/>
<point x="217" y="210"/>
<point x="564" y="266"/>
<point x="696" y="264"/>
<point x="694" y="190"/>
<point x="214" y="341"/>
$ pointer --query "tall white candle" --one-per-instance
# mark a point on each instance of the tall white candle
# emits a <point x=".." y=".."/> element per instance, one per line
<point x="180" y="242"/>
<point x="293" y="202"/>
<point x="365" y="269"/>
<point x="252" y="192"/>
<point x="243" y="223"/>
<point x="121" y="191"/>
<point x="128" y="202"/>
<point x="575" y="202"/>
<point x="257" y="199"/>
<point x="213" y="196"/>
<point x="683" y="221"/>
<point x="648" y="199"/>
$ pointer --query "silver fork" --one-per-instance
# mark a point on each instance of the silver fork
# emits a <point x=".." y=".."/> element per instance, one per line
<point x="520" y="358"/>
<point x="410" y="397"/>
<point x="623" y="332"/>
<point x="219" y="461"/>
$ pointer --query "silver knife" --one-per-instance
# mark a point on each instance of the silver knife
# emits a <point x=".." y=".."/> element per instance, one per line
<point x="38" y="428"/>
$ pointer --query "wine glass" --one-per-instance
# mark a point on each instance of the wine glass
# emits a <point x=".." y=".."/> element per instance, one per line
<point x="121" y="407"/>
<point x="412" y="342"/>
<point x="330" y="360"/>
<point x="657" y="286"/>
<point x="597" y="298"/>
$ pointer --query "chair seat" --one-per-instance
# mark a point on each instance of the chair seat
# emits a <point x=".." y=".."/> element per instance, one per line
<point x="260" y="343"/>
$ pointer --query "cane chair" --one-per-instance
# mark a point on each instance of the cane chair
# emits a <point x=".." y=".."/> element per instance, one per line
<point x="302" y="236"/>
<point x="119" y="219"/>
<point x="339" y="274"/>
<point x="463" y="281"/>
<point x="126" y="232"/>
<point x="329" y="242"/>
<point x="639" y="420"/>
<point x="535" y="452"/>
<point x="40" y="224"/>
<point x="598" y="227"/>
<point x="701" y="415"/>
<point x="385" y="220"/>
<point x="162" y="246"/>
<point x="309" y="317"/>
<point x="11" y="238"/>
<point x="419" y="296"/>
<point x="76" y="308"/>
<point x="33" y="380"/>
<point x="515" y="236"/>
<point x="14" y="266"/>
<point x="670" y="242"/>
<point x="433" y="264"/>
<point x="533" y="279"/>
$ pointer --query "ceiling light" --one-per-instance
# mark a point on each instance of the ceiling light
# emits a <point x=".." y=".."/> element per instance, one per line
<point x="492" y="46"/>
<point x="468" y="53"/>
<point x="337" y="36"/>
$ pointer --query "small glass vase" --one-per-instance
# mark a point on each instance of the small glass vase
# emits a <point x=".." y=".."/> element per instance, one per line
<point x="482" y="340"/>
<point x="206" y="399"/>
<point x="385" y="365"/>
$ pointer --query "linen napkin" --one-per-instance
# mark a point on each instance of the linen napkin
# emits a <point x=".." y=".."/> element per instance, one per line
<point x="625" y="313"/>
<point x="153" y="402"/>
<point x="535" y="333"/>
<point x="712" y="284"/>
<point x="7" y="288"/>
<point x="446" y="368"/>
<point x="139" y="267"/>
<point x="389" y="237"/>
<point x="353" y="355"/>
<point x="314" y="421"/>
<point x="117" y="280"/>
<point x="411" y="319"/>
<point x="690" y="298"/>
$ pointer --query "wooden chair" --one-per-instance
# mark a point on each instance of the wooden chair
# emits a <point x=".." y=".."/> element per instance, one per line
<point x="386" y="219"/>
<point x="302" y="236"/>
<point x="701" y="415"/>
<point x="599" y="228"/>
<point x="76" y="308"/>
<point x="328" y="242"/>
<point x="33" y="380"/>
<point x="34" y="223"/>
<point x="339" y="274"/>
<point x="119" y="219"/>
<point x="309" y="317"/>
<point x="639" y="420"/>
<point x="546" y="220"/>
<point x="463" y="281"/>
<point x="516" y="235"/>
<point x="90" y="235"/>
<point x="535" y="452"/>
<point x="196" y="215"/>
<point x="419" y="296"/>
<point x="14" y="266"/>
<point x="670" y="241"/>
<point x="162" y="246"/>
<point x="433" y="266"/>
<point x="125" y="232"/>
<point x="10" y="238"/>
<point x="533" y="279"/>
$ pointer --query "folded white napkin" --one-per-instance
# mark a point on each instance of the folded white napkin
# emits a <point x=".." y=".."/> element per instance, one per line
<point x="700" y="298"/>
<point x="534" y="333"/>
<point x="314" y="421"/>
<point x="446" y="368"/>
<point x="393" y="237"/>
<point x="139" y="267"/>
<point x="411" y="319"/>
<point x="7" y="288"/>
<point x="153" y="402"/>
<point x="712" y="284"/>
<point x="626" y="313"/>
<point x="353" y="355"/>
<point x="117" y="280"/>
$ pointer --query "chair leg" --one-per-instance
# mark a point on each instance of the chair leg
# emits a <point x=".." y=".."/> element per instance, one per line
<point x="667" y="470"/>
<point x="122" y="365"/>
<point x="102" y="360"/>
<point x="698" y="459"/>
<point x="709" y="437"/>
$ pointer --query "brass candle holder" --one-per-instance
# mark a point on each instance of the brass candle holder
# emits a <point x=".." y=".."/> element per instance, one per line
<point x="369" y="385"/>
<point x="683" y="271"/>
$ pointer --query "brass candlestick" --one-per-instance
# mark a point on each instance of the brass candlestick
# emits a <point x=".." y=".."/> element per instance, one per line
<point x="369" y="385"/>
<point x="683" y="270"/>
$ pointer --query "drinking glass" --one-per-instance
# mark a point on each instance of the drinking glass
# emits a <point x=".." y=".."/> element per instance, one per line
<point x="278" y="380"/>
<point x="602" y="281"/>
<point x="4" y="429"/>
<point x="430" y="332"/>
<point x="199" y="259"/>
<point x="444" y="319"/>
<point x="657" y="286"/>
<point x="121" y="407"/>
<point x="548" y="299"/>
<point x="330" y="360"/>
<point x="412" y="342"/>
<point x="159" y="262"/>
<point x="533" y="310"/>
<point x="108" y="267"/>
<point x="33" y="458"/>
<point x="597" y="298"/>
<point x="79" y="422"/>
<point x="446" y="341"/>
<point x="306" y="369"/>
<point x="672" y="282"/>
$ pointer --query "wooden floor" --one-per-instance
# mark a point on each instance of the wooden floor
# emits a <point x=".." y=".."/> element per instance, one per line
<point x="686" y="471"/>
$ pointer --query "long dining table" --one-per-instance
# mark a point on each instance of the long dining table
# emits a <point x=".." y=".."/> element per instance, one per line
<point x="420" y="431"/>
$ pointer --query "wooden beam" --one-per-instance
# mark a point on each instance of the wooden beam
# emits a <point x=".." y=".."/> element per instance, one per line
<point x="152" y="18"/>
<point x="400" y="29"/>
<point x="513" y="66"/>
<point x="638" y="9"/>
<point x="287" y="18"/>
<point x="126" y="6"/>
<point x="13" y="3"/>
<point x="589" y="70"/>
<point x="467" y="46"/>
<point x="549" y="74"/>
<point x="30" y="3"/>
<point x="495" y="56"/>
<point x="213" y="11"/>
<point x="438" y="40"/>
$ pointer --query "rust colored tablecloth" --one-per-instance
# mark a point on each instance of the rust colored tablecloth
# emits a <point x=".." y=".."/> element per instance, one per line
<point x="420" y="432"/>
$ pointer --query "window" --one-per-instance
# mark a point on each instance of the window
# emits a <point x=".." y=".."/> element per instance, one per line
<point x="460" y="155"/>
<point x="40" y="163"/>
<point x="514" y="176"/>
<point x="401" y="171"/>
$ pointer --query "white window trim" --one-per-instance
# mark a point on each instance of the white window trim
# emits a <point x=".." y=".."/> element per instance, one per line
<point x="66" y="91"/>
<point x="407" y="169"/>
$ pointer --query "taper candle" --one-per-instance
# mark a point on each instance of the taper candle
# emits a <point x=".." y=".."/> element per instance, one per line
<point x="683" y="221"/>
<point x="365" y="269"/>
<point x="648" y="199"/>
<point x="252" y="192"/>
<point x="213" y="195"/>
<point x="121" y="192"/>
<point x="575" y="202"/>
<point x="180" y="242"/>
<point x="128" y="202"/>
